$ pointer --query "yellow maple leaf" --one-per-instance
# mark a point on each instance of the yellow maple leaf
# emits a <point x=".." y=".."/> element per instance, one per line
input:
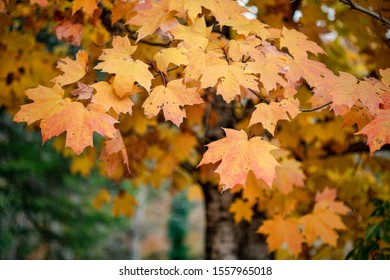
<point x="170" y="99"/>
<point x="170" y="55"/>
<point x="106" y="97"/>
<point x="102" y="197"/>
<point x="123" y="204"/>
<point x="73" y="70"/>
<point x="229" y="79"/>
<point x="118" y="61"/>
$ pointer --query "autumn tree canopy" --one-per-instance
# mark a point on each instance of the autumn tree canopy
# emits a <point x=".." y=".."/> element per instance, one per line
<point x="199" y="94"/>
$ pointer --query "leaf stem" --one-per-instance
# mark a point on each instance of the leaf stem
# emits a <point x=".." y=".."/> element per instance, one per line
<point x="316" y="108"/>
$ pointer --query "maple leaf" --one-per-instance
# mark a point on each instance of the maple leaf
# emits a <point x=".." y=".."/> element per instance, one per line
<point x="282" y="234"/>
<point x="244" y="47"/>
<point x="47" y="101"/>
<point x="106" y="97"/>
<point x="118" y="61"/>
<point x="73" y="70"/>
<point x="82" y="91"/>
<point x="321" y="223"/>
<point x="171" y="55"/>
<point x="70" y="32"/>
<point x="152" y="16"/>
<point x="297" y="43"/>
<point x="289" y="174"/>
<point x="242" y="210"/>
<point x="268" y="73"/>
<point x="184" y="144"/>
<point x="246" y="26"/>
<point x="80" y="123"/>
<point x="378" y="131"/>
<point x="88" y="6"/>
<point x="238" y="155"/>
<point x="229" y="79"/>
<point x="195" y="36"/>
<point x="123" y="204"/>
<point x="327" y="198"/>
<point x="102" y="197"/>
<point x="385" y="74"/>
<point x="169" y="99"/>
<point x="114" y="154"/>
<point x="269" y="114"/>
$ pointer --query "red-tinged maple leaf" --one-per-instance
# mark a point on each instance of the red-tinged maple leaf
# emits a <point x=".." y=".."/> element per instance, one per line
<point x="289" y="174"/>
<point x="79" y="122"/>
<point x="88" y="6"/>
<point x="82" y="91"/>
<point x="327" y="198"/>
<point x="321" y="223"/>
<point x="47" y="101"/>
<point x="378" y="131"/>
<point x="297" y="43"/>
<point x="368" y="92"/>
<point x="340" y="88"/>
<point x="195" y="36"/>
<point x="73" y="70"/>
<point x="358" y="115"/>
<point x="114" y="154"/>
<point x="170" y="99"/>
<point x="152" y="16"/>
<point x="238" y="155"/>
<point x="106" y="97"/>
<point x="385" y="74"/>
<point x="282" y="234"/>
<point x="229" y="79"/>
<point x="171" y="55"/>
<point x="269" y="114"/>
<point x="118" y="61"/>
<point x="242" y="210"/>
<point x="70" y="32"/>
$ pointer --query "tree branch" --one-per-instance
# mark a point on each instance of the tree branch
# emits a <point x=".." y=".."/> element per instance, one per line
<point x="316" y="108"/>
<point x="355" y="6"/>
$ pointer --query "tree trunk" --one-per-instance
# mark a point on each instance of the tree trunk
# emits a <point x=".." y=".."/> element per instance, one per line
<point x="226" y="240"/>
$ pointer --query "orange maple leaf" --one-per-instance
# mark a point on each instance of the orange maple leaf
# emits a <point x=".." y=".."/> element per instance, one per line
<point x="269" y="114"/>
<point x="123" y="204"/>
<point x="80" y="123"/>
<point x="88" y="6"/>
<point x="73" y="70"/>
<point x="321" y="223"/>
<point x="70" y="32"/>
<point x="378" y="131"/>
<point x="169" y="99"/>
<point x="327" y="198"/>
<point x="282" y="234"/>
<point x="106" y="97"/>
<point x="238" y="155"/>
<point x="242" y="210"/>
<point x="289" y="174"/>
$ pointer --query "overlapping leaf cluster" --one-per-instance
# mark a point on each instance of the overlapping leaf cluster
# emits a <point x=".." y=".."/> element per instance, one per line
<point x="121" y="92"/>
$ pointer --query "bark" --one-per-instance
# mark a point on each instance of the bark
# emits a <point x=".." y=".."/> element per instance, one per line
<point x="226" y="240"/>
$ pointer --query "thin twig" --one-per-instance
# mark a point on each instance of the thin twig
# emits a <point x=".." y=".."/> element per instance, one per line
<point x="316" y="108"/>
<point x="355" y="6"/>
<point x="169" y="70"/>
<point x="259" y="96"/>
